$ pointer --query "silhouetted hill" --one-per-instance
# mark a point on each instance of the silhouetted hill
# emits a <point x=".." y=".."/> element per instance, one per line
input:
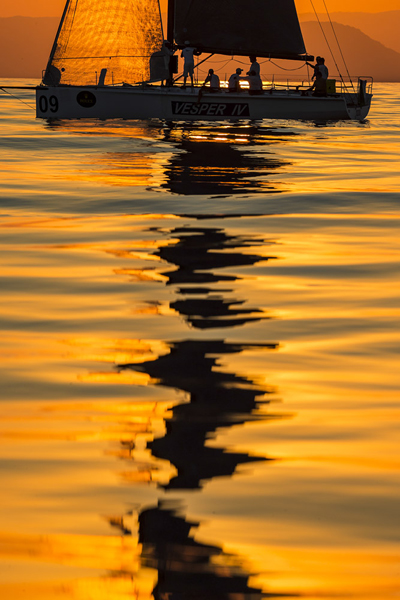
<point x="363" y="55"/>
<point x="383" y="27"/>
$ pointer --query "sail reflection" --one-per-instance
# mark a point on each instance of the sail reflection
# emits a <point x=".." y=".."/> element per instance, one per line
<point x="216" y="400"/>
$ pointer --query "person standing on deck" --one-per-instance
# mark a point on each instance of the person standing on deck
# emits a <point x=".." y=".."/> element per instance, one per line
<point x="319" y="66"/>
<point x="160" y="64"/>
<point x="255" y="66"/>
<point x="188" y="65"/>
<point x="169" y="58"/>
<point x="323" y="68"/>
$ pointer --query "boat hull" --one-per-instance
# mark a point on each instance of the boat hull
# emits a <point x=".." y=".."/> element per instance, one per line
<point x="176" y="104"/>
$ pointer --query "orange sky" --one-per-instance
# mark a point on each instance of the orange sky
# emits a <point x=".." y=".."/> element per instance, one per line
<point x="42" y="8"/>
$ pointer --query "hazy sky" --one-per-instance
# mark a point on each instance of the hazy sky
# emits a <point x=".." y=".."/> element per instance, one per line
<point x="43" y="8"/>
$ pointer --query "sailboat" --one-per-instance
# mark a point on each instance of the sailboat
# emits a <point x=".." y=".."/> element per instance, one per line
<point x="109" y="60"/>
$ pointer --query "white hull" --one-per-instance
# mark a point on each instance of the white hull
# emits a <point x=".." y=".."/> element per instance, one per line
<point x="176" y="104"/>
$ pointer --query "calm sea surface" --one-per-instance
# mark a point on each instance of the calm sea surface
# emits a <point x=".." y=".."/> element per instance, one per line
<point x="199" y="358"/>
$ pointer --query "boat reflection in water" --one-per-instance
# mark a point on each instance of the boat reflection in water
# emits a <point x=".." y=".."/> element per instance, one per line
<point x="223" y="161"/>
<point x="200" y="263"/>
<point x="185" y="159"/>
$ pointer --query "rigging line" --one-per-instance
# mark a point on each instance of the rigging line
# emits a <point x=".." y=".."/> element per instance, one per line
<point x="61" y="26"/>
<point x="283" y="68"/>
<point x="340" y="50"/>
<point x="96" y="57"/>
<point x="221" y="61"/>
<point x="327" y="42"/>
<point x="16" y="97"/>
<point x="224" y="65"/>
<point x="160" y="15"/>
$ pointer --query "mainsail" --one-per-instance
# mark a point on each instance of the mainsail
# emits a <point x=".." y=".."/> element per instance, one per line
<point x="265" y="28"/>
<point x="117" y="35"/>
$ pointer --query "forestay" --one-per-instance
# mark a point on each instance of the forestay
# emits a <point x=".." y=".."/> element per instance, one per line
<point x="117" y="35"/>
<point x="267" y="28"/>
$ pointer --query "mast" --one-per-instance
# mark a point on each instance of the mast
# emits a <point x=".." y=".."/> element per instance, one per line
<point x="170" y="21"/>
<point x="173" y="60"/>
<point x="54" y="47"/>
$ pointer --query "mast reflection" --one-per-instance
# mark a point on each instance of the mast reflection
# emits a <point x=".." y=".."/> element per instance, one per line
<point x="186" y="568"/>
<point x="198" y="254"/>
<point x="216" y="400"/>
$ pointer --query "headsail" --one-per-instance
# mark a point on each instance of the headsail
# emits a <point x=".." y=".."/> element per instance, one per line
<point x="117" y="35"/>
<point x="268" y="28"/>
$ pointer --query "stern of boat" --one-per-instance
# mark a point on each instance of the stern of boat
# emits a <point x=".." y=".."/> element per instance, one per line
<point x="358" y="100"/>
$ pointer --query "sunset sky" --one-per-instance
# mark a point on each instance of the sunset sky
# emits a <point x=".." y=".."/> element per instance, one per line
<point x="43" y="8"/>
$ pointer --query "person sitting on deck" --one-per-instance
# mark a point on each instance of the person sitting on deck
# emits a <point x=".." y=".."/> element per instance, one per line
<point x="318" y="88"/>
<point x="255" y="83"/>
<point x="213" y="80"/>
<point x="233" y="83"/>
<point x="255" y="66"/>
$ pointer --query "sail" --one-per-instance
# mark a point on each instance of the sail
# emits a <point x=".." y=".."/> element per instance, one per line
<point x="94" y="35"/>
<point x="266" y="28"/>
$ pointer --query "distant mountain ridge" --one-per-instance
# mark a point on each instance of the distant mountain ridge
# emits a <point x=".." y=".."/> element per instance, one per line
<point x="363" y="55"/>
<point x="383" y="27"/>
<point x="25" y="44"/>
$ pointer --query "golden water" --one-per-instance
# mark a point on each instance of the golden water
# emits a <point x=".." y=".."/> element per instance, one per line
<point x="199" y="356"/>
